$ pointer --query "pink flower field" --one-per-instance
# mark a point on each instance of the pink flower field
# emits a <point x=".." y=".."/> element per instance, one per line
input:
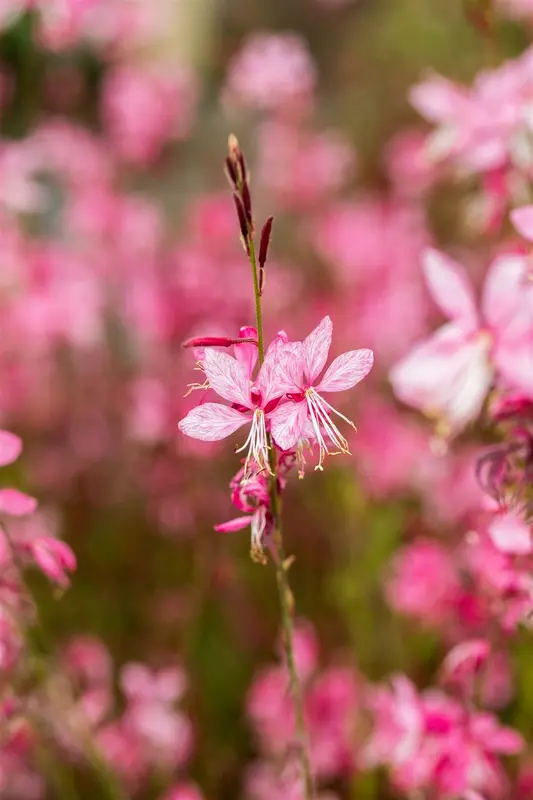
<point x="266" y="409"/>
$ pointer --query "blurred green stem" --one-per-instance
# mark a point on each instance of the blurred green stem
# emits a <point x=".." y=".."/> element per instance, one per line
<point x="282" y="565"/>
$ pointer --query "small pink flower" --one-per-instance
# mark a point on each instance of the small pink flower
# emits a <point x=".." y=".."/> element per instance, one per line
<point x="271" y="72"/>
<point x="301" y="364"/>
<point x="251" y="402"/>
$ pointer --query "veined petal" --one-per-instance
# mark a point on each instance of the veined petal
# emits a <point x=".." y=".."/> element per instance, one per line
<point x="16" y="503"/>
<point x="10" y="447"/>
<point x="346" y="371"/>
<point x="315" y="349"/>
<point x="450" y="288"/>
<point x="227" y="377"/>
<point x="236" y="524"/>
<point x="211" y="422"/>
<point x="289" y="368"/>
<point x="503" y="292"/>
<point x="287" y="423"/>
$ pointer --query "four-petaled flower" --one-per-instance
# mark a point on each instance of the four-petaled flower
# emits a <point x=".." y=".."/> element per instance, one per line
<point x="250" y="402"/>
<point x="307" y="413"/>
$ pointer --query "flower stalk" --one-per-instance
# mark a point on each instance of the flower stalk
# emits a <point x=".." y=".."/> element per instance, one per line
<point x="282" y="564"/>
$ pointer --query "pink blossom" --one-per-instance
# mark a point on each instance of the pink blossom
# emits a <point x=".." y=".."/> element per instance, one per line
<point x="424" y="582"/>
<point x="143" y="109"/>
<point x="230" y="378"/>
<point x="448" y="375"/>
<point x="270" y="72"/>
<point x="300" y="366"/>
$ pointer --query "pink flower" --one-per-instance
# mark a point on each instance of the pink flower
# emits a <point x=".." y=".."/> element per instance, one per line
<point x="143" y="109"/>
<point x="300" y="366"/>
<point x="251" y="402"/>
<point x="448" y="375"/>
<point x="271" y="71"/>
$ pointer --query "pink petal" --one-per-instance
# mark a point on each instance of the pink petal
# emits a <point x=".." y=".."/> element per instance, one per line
<point x="211" y="422"/>
<point x="438" y="99"/>
<point x="247" y="353"/>
<point x="450" y="288"/>
<point x="232" y="525"/>
<point x="227" y="377"/>
<point x="514" y="361"/>
<point x="10" y="447"/>
<point x="510" y="534"/>
<point x="287" y="423"/>
<point x="16" y="503"/>
<point x="448" y="375"/>
<point x="289" y="368"/>
<point x="522" y="219"/>
<point x="346" y="371"/>
<point x="315" y="349"/>
<point x="503" y="291"/>
<point x="54" y="558"/>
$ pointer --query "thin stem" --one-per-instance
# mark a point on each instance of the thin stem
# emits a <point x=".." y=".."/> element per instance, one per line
<point x="285" y="594"/>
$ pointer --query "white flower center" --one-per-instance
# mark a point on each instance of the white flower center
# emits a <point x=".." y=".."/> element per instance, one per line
<point x="257" y="445"/>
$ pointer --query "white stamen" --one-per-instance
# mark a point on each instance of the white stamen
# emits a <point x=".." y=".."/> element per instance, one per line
<point x="319" y="413"/>
<point x="257" y="445"/>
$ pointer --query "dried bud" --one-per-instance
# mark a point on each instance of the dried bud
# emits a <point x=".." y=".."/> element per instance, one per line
<point x="265" y="241"/>
<point x="242" y="216"/>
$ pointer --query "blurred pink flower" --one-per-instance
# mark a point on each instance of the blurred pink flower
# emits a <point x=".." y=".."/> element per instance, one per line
<point x="142" y="109"/>
<point x="272" y="71"/>
<point x="448" y="376"/>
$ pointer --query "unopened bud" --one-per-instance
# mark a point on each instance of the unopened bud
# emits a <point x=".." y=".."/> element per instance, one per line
<point x="265" y="241"/>
<point x="231" y="172"/>
<point x="243" y="224"/>
<point x="247" y="202"/>
<point x="220" y="341"/>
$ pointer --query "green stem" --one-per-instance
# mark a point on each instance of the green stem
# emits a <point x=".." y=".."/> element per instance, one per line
<point x="284" y="590"/>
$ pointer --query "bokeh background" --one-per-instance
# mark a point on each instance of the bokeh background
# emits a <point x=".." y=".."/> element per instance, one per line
<point x="118" y="241"/>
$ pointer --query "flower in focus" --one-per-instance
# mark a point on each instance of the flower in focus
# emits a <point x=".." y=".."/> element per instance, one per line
<point x="250" y="402"/>
<point x="307" y="413"/>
